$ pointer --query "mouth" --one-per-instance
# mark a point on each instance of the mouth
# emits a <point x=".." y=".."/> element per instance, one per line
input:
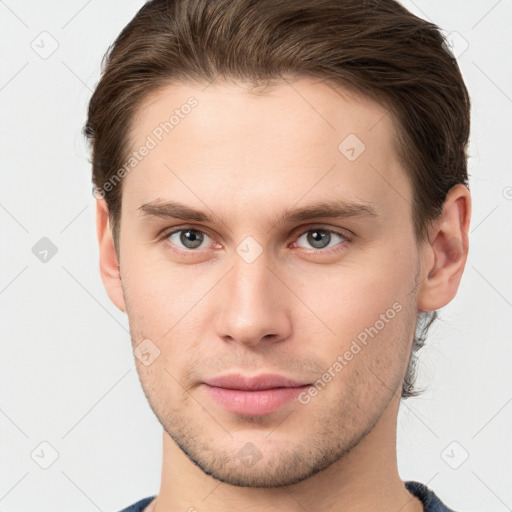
<point x="253" y="396"/>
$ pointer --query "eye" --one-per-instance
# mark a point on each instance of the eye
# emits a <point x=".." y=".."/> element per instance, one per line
<point x="188" y="238"/>
<point x="321" y="238"/>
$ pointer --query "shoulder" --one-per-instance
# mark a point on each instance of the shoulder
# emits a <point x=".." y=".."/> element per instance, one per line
<point x="139" y="506"/>
<point x="431" y="503"/>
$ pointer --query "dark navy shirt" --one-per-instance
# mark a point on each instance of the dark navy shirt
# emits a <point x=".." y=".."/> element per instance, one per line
<point x="431" y="503"/>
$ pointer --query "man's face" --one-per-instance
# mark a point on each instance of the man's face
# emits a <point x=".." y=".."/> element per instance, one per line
<point x="253" y="291"/>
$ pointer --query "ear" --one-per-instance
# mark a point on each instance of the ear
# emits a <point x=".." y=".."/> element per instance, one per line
<point x="109" y="265"/>
<point x="446" y="252"/>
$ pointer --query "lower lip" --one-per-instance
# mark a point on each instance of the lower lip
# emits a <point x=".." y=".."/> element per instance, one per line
<point x="254" y="403"/>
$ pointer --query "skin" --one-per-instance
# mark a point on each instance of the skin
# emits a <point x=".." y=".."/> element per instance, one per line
<point x="247" y="158"/>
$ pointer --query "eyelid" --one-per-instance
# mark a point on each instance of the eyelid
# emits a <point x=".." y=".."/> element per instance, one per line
<point x="344" y="233"/>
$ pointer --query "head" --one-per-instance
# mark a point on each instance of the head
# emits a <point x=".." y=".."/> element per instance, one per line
<point x="253" y="114"/>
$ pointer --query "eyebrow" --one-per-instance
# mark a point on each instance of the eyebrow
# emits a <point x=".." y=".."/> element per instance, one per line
<point x="338" y="209"/>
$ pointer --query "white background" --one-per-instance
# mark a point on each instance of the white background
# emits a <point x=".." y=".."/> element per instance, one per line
<point x="67" y="374"/>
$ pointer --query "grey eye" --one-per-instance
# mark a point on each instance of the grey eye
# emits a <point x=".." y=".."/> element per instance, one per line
<point x="189" y="238"/>
<point x="319" y="238"/>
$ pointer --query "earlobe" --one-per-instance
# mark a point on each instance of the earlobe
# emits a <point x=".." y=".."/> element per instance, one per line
<point x="447" y="251"/>
<point x="109" y="265"/>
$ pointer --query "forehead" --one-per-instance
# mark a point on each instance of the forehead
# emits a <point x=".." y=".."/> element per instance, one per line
<point x="298" y="137"/>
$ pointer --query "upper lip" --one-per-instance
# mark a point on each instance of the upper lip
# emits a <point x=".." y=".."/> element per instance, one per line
<point x="253" y="383"/>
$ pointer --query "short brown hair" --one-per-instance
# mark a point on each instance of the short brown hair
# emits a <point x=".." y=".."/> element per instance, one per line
<point x="375" y="47"/>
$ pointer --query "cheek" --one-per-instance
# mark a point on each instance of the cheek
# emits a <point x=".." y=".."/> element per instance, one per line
<point x="165" y="304"/>
<point x="159" y="290"/>
<point x="370" y="312"/>
<point x="350" y="298"/>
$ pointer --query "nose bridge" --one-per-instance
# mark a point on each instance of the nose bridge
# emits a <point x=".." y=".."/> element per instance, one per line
<point x="250" y="281"/>
<point x="253" y="304"/>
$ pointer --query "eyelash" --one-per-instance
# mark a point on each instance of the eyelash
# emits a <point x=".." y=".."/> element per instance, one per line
<point x="192" y="252"/>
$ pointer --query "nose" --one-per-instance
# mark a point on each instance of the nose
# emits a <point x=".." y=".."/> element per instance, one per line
<point x="254" y="305"/>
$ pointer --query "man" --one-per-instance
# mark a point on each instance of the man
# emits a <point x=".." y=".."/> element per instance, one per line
<point x="282" y="206"/>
